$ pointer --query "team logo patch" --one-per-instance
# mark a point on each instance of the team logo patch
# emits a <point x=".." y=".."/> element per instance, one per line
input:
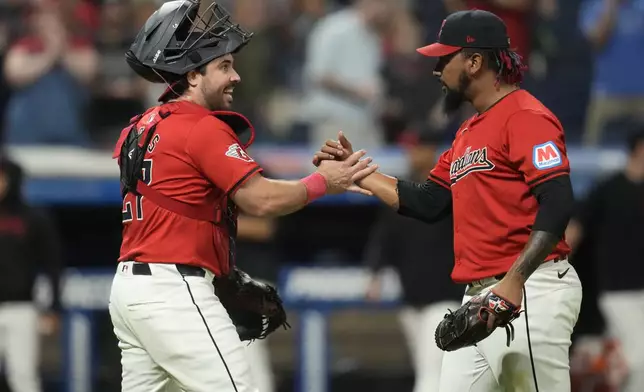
<point x="546" y="156"/>
<point x="471" y="161"/>
<point x="235" y="151"/>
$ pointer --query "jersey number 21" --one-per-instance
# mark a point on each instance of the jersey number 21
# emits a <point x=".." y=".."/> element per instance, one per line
<point x="128" y="215"/>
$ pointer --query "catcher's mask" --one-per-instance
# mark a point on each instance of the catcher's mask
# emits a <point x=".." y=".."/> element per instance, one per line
<point x="179" y="37"/>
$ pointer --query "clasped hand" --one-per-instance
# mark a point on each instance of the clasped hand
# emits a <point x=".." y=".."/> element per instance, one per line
<point x="341" y="167"/>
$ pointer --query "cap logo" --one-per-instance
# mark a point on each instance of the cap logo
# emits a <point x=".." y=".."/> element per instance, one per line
<point x="440" y="32"/>
<point x="470" y="39"/>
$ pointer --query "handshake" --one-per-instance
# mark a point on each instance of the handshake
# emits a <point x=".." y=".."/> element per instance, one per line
<point x="341" y="167"/>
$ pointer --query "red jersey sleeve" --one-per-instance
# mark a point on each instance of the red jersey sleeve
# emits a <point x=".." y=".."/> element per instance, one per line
<point x="536" y="146"/>
<point x="440" y="173"/>
<point x="219" y="155"/>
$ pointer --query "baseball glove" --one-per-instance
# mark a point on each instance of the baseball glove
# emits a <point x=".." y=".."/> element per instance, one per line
<point x="468" y="325"/>
<point x="254" y="307"/>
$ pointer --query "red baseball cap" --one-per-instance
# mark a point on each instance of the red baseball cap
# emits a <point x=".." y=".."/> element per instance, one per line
<point x="468" y="29"/>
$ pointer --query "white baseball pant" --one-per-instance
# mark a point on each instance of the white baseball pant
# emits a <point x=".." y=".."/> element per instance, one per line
<point x="553" y="302"/>
<point x="174" y="333"/>
<point x="20" y="345"/>
<point x="624" y="314"/>
<point x="418" y="326"/>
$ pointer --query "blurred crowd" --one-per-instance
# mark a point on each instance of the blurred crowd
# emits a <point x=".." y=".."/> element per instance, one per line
<point x="316" y="65"/>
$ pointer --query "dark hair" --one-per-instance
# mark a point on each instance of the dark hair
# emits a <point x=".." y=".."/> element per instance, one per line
<point x="634" y="139"/>
<point x="507" y="64"/>
<point x="178" y="87"/>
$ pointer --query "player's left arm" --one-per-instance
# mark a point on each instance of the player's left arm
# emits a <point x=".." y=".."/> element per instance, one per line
<point x="535" y="144"/>
<point x="556" y="202"/>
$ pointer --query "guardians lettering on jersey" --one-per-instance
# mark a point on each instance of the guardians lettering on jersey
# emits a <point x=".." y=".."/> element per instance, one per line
<point x="470" y="161"/>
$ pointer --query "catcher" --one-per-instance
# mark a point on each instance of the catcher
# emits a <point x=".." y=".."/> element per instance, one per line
<point x="179" y="306"/>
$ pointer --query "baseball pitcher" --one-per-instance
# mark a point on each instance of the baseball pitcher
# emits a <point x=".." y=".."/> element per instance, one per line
<point x="505" y="180"/>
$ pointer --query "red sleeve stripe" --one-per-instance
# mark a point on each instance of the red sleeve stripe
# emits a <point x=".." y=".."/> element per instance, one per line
<point x="439" y="181"/>
<point x="548" y="176"/>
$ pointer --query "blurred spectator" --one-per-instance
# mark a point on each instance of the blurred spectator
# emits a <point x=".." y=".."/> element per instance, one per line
<point x="556" y="76"/>
<point x="10" y="11"/>
<point x="613" y="215"/>
<point x="306" y="14"/>
<point x="423" y="255"/>
<point x="84" y="14"/>
<point x="343" y="85"/>
<point x="118" y="93"/>
<point x="255" y="62"/>
<point x="615" y="29"/>
<point x="29" y="246"/>
<point x="142" y="10"/>
<point x="515" y="13"/>
<point x="597" y="365"/>
<point x="432" y="13"/>
<point x="596" y="361"/>
<point x="411" y="90"/>
<point x="49" y="69"/>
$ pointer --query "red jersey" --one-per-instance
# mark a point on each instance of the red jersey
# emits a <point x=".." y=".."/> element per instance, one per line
<point x="197" y="159"/>
<point x="496" y="158"/>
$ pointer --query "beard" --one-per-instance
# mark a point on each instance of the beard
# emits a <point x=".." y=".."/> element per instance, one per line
<point x="217" y="99"/>
<point x="454" y="98"/>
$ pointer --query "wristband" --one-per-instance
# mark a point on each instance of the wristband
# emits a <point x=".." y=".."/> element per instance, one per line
<point x="315" y="186"/>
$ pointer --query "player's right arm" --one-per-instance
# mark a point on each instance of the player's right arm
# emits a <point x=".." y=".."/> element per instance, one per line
<point x="263" y="197"/>
<point x="217" y="154"/>
<point x="429" y="201"/>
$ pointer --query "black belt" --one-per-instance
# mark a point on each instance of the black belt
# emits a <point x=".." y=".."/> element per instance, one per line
<point x="184" y="270"/>
<point x="501" y="276"/>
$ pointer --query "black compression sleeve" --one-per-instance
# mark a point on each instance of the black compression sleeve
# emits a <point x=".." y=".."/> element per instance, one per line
<point x="428" y="202"/>
<point x="556" y="204"/>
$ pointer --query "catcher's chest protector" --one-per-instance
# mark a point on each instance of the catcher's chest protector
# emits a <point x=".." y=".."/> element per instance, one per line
<point x="133" y="143"/>
<point x="130" y="151"/>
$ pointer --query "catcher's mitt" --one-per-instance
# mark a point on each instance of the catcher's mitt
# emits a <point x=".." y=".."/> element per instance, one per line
<point x="254" y="307"/>
<point x="468" y="324"/>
